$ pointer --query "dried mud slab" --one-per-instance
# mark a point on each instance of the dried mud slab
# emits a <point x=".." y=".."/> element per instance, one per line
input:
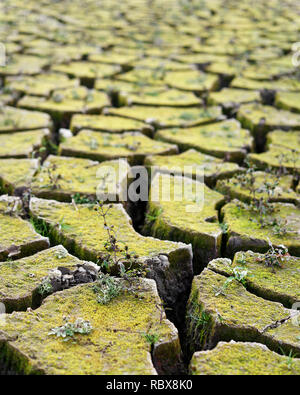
<point x="282" y="192"/>
<point x="192" y="81"/>
<point x="167" y="213"/>
<point x="116" y="344"/>
<point x="64" y="103"/>
<point x="283" y="84"/>
<point x="18" y="237"/>
<point x="105" y="146"/>
<point x="42" y="84"/>
<point x="88" y="72"/>
<point x="161" y="117"/>
<point x="170" y="263"/>
<point x="260" y="119"/>
<point x="230" y="99"/>
<point x="62" y="178"/>
<point x="272" y="282"/>
<point x="23" y="64"/>
<point x="290" y="140"/>
<point x="163" y="98"/>
<point x="278" y="157"/>
<point x="20" y="280"/>
<point x="265" y="118"/>
<point x="236" y="314"/>
<point x="109" y="124"/>
<point x="237" y="358"/>
<point x="15" y="120"/>
<point x="288" y="101"/>
<point x="16" y="174"/>
<point x="248" y="230"/>
<point x="193" y="164"/>
<point x="143" y="77"/>
<point x="23" y="144"/>
<point x="224" y="140"/>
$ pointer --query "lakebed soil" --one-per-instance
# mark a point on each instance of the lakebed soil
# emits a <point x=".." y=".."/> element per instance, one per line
<point x="208" y="94"/>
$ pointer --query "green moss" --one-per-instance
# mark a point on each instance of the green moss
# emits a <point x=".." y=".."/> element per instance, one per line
<point x="283" y="84"/>
<point x="41" y="85"/>
<point x="68" y="101"/>
<point x="245" y="231"/>
<point x="290" y="140"/>
<point x="242" y="359"/>
<point x="276" y="283"/>
<point x="23" y="64"/>
<point x="192" y="81"/>
<point x="224" y="139"/>
<point x="143" y="77"/>
<point x="62" y="177"/>
<point x="17" y="173"/>
<point x="169" y="117"/>
<point x="17" y="237"/>
<point x="167" y="98"/>
<point x="267" y="71"/>
<point x="277" y="157"/>
<point x="229" y="97"/>
<point x="113" y="58"/>
<point x="186" y="198"/>
<point x="106" y="123"/>
<point x="114" y="346"/>
<point x="21" y="278"/>
<point x="154" y="63"/>
<point x="225" y="68"/>
<point x="259" y="118"/>
<point x="104" y="146"/>
<point x="88" y="70"/>
<point x="110" y="85"/>
<point x="14" y="119"/>
<point x="88" y="245"/>
<point x="212" y="168"/>
<point x="237" y="315"/>
<point x="283" y="191"/>
<point x="22" y="145"/>
<point x="288" y="101"/>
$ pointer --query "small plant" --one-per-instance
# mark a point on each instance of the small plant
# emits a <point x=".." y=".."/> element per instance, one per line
<point x="239" y="274"/>
<point x="117" y="255"/>
<point x="151" y="338"/>
<point x="107" y="288"/>
<point x="224" y="227"/>
<point x="63" y="226"/>
<point x="45" y="287"/>
<point x="274" y="256"/>
<point x="69" y="329"/>
<point x="80" y="199"/>
<point x="151" y="217"/>
<point x="39" y="226"/>
<point x="53" y="177"/>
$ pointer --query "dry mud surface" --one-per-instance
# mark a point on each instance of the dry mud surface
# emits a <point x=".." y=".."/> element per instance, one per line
<point x="92" y="89"/>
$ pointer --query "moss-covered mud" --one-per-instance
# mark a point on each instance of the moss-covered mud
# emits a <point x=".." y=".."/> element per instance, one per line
<point x="248" y="229"/>
<point x="167" y="211"/>
<point x="116" y="344"/>
<point x="208" y="90"/>
<point x="21" y="279"/>
<point x="18" y="237"/>
<point x="170" y="263"/>
<point x="242" y="358"/>
<point x="217" y="312"/>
